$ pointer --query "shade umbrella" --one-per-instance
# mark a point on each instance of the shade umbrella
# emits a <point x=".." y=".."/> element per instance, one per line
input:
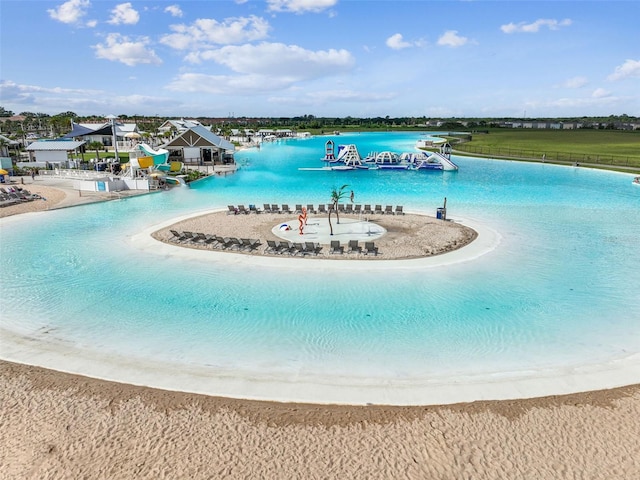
<point x="3" y="172"/>
<point x="132" y="135"/>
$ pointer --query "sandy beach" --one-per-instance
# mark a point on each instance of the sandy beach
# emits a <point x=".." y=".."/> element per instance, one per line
<point x="408" y="236"/>
<point x="58" y="425"/>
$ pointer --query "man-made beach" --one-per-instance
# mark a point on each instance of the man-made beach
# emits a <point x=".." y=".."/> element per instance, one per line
<point x="407" y="236"/>
<point x="58" y="425"/>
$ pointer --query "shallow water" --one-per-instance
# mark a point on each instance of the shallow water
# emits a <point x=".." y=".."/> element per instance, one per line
<point x="560" y="290"/>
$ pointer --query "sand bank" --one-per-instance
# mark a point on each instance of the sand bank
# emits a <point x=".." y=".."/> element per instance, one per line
<point x="408" y="236"/>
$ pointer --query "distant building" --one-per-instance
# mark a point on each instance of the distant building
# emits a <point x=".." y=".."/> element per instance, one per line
<point x="200" y="146"/>
<point x="52" y="152"/>
<point x="179" y="126"/>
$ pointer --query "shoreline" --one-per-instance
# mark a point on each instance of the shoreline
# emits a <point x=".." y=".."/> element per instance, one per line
<point x="57" y="425"/>
<point x="61" y="425"/>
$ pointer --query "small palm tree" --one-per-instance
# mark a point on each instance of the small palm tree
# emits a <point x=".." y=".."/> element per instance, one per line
<point x="336" y="196"/>
<point x="97" y="146"/>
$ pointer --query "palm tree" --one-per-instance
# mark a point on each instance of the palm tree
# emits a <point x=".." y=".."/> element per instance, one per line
<point x="97" y="146"/>
<point x="4" y="147"/>
<point x="336" y="196"/>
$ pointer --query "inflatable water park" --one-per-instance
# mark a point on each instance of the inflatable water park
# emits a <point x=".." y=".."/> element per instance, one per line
<point x="347" y="157"/>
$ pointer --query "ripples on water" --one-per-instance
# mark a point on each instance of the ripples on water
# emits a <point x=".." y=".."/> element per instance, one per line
<point x="560" y="288"/>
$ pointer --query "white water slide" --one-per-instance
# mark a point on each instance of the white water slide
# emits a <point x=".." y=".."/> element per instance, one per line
<point x="446" y="163"/>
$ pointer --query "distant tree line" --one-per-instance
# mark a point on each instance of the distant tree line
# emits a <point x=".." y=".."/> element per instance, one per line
<point x="53" y="126"/>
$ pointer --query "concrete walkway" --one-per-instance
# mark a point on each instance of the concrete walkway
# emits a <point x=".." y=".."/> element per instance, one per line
<point x="317" y="230"/>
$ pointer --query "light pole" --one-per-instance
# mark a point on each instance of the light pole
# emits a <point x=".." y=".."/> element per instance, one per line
<point x="112" y="118"/>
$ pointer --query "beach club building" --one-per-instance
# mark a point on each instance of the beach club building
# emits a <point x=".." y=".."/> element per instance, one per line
<point x="55" y="153"/>
<point x="199" y="146"/>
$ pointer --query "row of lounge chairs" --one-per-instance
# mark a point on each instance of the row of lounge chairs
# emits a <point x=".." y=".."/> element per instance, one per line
<point x="215" y="241"/>
<point x="347" y="208"/>
<point x="293" y="248"/>
<point x="354" y="247"/>
<point x="13" y="196"/>
<point x="273" y="247"/>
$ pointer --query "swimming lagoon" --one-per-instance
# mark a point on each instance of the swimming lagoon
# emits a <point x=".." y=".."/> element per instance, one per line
<point x="552" y="308"/>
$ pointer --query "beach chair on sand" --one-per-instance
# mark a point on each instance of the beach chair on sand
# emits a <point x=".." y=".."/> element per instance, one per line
<point x="310" y="209"/>
<point x="188" y="236"/>
<point x="367" y="210"/>
<point x="357" y="209"/>
<point x="272" y="247"/>
<point x="286" y="247"/>
<point x="285" y="208"/>
<point x="210" y="239"/>
<point x="177" y="236"/>
<point x="388" y="210"/>
<point x="335" y="247"/>
<point x="378" y="209"/>
<point x="298" y="208"/>
<point x="321" y="208"/>
<point x="223" y="242"/>
<point x="234" y="244"/>
<point x="266" y="208"/>
<point x="199" y="237"/>
<point x="231" y="210"/>
<point x="242" y="209"/>
<point x="253" y="209"/>
<point x="312" y="248"/>
<point x="370" y="248"/>
<point x="298" y="248"/>
<point x="348" y="208"/>
<point x="275" y="208"/>
<point x="353" y="247"/>
<point x="399" y="210"/>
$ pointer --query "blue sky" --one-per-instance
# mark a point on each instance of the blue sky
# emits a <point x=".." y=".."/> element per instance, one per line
<point x="321" y="57"/>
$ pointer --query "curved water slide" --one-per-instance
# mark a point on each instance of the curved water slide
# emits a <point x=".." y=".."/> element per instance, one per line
<point x="160" y="156"/>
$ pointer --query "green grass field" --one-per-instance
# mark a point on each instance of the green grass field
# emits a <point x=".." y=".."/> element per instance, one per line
<point x="598" y="147"/>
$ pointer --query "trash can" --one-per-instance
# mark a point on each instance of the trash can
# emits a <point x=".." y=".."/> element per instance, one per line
<point x="441" y="214"/>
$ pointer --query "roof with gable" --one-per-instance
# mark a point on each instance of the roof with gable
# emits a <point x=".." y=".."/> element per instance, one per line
<point x="200" y="136"/>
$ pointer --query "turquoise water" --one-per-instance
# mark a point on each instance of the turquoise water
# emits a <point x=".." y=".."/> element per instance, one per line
<point x="561" y="289"/>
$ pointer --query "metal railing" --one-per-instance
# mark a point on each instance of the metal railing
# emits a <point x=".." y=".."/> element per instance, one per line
<point x="560" y="157"/>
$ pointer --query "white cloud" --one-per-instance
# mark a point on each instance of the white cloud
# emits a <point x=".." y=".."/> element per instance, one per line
<point x="124" y="14"/>
<point x="280" y="60"/>
<point x="226" y="84"/>
<point x="174" y="10"/>
<point x="263" y="68"/>
<point x="300" y="6"/>
<point x="629" y="69"/>
<point x="119" y="48"/>
<point x="575" y="82"/>
<point x="8" y="85"/>
<point x="450" y="38"/>
<point x="70" y="12"/>
<point x="535" y="26"/>
<point x="600" y="93"/>
<point x="396" y="42"/>
<point x="205" y="32"/>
